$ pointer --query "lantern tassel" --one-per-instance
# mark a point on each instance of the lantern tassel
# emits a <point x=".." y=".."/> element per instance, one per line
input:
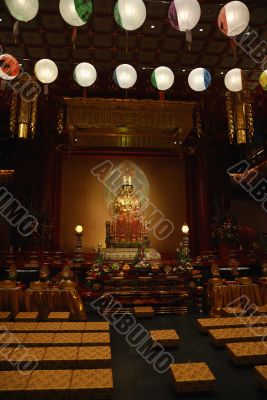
<point x="84" y="93"/>
<point x="46" y="90"/>
<point x="2" y="85"/>
<point x="188" y="36"/>
<point x="16" y="31"/>
<point x="74" y="37"/>
<point x="126" y="41"/>
<point x="233" y="45"/>
<point x="162" y="95"/>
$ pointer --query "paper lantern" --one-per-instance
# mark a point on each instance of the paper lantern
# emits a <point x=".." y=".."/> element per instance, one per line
<point x="263" y="80"/>
<point x="233" y="80"/>
<point x="23" y="10"/>
<point x="130" y="14"/>
<point x="199" y="79"/>
<point x="85" y="74"/>
<point x="162" y="78"/>
<point x="125" y="76"/>
<point x="9" y="67"/>
<point x="46" y="71"/>
<point x="184" y="14"/>
<point x="76" y="12"/>
<point x="233" y="18"/>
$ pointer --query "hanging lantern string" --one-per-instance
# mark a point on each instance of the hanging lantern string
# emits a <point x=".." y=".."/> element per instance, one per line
<point x="16" y="31"/>
<point x="126" y="41"/>
<point x="186" y="68"/>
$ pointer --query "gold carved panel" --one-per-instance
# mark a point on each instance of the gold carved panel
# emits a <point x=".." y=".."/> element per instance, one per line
<point x="128" y="123"/>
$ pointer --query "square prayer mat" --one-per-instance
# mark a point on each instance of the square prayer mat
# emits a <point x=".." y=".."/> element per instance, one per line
<point x="26" y="316"/>
<point x="60" y="357"/>
<point x="39" y="339"/>
<point x="143" y="312"/>
<point x="167" y="337"/>
<point x="94" y="357"/>
<point x="96" y="326"/>
<point x="65" y="339"/>
<point x="192" y="377"/>
<point x="24" y="326"/>
<point x="232" y="335"/>
<point x="95" y="338"/>
<point x="13" y="384"/>
<point x="5" y="316"/>
<point x="247" y="353"/>
<point x="48" y="327"/>
<point x="91" y="384"/>
<point x="72" y="326"/>
<point x="58" y="317"/>
<point x="232" y="311"/>
<point x="52" y="384"/>
<point x="261" y="372"/>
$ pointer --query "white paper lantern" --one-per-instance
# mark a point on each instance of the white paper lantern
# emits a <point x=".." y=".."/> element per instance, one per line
<point x="23" y="10"/>
<point x="199" y="79"/>
<point x="76" y="12"/>
<point x="46" y="71"/>
<point x="9" y="67"/>
<point x="85" y="74"/>
<point x="233" y="18"/>
<point x="233" y="80"/>
<point x="162" y="78"/>
<point x="184" y="14"/>
<point x="130" y="14"/>
<point x="125" y="76"/>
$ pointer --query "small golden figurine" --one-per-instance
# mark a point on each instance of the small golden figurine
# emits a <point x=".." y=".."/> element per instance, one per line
<point x="215" y="271"/>
<point x="44" y="272"/>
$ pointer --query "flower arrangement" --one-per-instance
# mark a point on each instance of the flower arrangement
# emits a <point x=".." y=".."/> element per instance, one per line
<point x="224" y="228"/>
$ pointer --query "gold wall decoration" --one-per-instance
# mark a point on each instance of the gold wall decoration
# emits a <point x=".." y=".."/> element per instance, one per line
<point x="128" y="123"/>
<point x="23" y="109"/>
<point x="240" y="117"/>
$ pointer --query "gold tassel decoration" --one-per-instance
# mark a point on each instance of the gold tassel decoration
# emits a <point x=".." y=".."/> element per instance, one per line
<point x="13" y="114"/>
<point x="240" y="117"/>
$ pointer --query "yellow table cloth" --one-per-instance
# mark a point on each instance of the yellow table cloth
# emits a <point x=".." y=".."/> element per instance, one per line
<point x="233" y="295"/>
<point x="11" y="299"/>
<point x="47" y="300"/>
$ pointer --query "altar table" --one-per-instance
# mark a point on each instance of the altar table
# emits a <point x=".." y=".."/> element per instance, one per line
<point x="46" y="300"/>
<point x="220" y="296"/>
<point x="11" y="299"/>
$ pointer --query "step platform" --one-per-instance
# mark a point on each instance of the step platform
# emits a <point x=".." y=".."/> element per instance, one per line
<point x="166" y="337"/>
<point x="247" y="353"/>
<point x="192" y="377"/>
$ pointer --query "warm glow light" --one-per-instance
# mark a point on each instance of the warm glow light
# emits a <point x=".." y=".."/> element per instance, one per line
<point x="184" y="14"/>
<point x="125" y="76"/>
<point x="199" y="79"/>
<point x="185" y="229"/>
<point x="130" y="14"/>
<point x="233" y="18"/>
<point x="162" y="78"/>
<point x="233" y="80"/>
<point x="75" y="13"/>
<point x="79" y="229"/>
<point x="46" y="71"/>
<point x="23" y="10"/>
<point x="85" y="74"/>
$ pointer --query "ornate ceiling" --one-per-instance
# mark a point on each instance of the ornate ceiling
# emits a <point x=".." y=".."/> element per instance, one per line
<point x="103" y="43"/>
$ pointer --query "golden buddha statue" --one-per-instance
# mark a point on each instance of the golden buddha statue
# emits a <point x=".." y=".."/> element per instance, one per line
<point x="127" y="228"/>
